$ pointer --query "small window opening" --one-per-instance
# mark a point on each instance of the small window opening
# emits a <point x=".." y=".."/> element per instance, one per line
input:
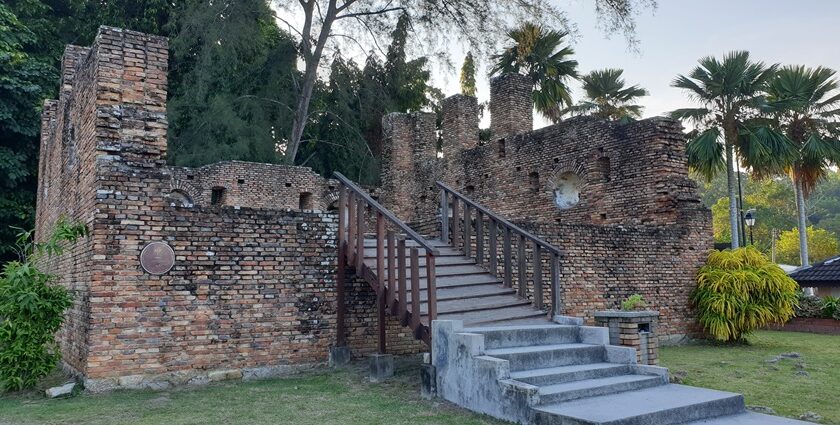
<point x="190" y="177"/>
<point x="217" y="196"/>
<point x="556" y="160"/>
<point x="603" y="216"/>
<point x="486" y="175"/>
<point x="534" y="181"/>
<point x="240" y="181"/>
<point x="305" y="201"/>
<point x="644" y="327"/>
<point x="470" y="189"/>
<point x="288" y="184"/>
<point x="501" y="148"/>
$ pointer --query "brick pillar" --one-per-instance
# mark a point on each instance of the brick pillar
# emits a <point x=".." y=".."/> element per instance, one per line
<point x="131" y="79"/>
<point x="459" y="131"/>
<point x="511" y="105"/>
<point x="409" y="164"/>
<point x="637" y="329"/>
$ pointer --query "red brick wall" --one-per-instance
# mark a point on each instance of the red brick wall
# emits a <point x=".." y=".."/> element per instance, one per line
<point x="253" y="285"/>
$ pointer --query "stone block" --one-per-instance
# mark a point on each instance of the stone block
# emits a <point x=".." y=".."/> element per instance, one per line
<point x="428" y="381"/>
<point x="62" y="390"/>
<point x="381" y="367"/>
<point x="339" y="356"/>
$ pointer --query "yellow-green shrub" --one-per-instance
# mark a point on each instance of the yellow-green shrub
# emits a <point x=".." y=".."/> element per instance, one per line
<point x="741" y="290"/>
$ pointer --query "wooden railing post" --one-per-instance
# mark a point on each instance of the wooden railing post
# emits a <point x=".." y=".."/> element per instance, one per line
<point x="522" y="268"/>
<point x="380" y="275"/>
<point x="479" y="238"/>
<point x="340" y="335"/>
<point x="402" y="282"/>
<point x="444" y="217"/>
<point x="538" y="284"/>
<point x="351" y="227"/>
<point x="555" y="284"/>
<point x="415" y="288"/>
<point x="392" y="272"/>
<point x="467" y="230"/>
<point x="360" y="235"/>
<point x="494" y="250"/>
<point x="508" y="268"/>
<point x="456" y="224"/>
<point x="431" y="287"/>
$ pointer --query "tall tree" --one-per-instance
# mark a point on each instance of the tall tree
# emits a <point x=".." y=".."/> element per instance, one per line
<point x="231" y="68"/>
<point x="727" y="89"/>
<point x="468" y="76"/>
<point x="805" y="106"/>
<point x="476" y="21"/>
<point x="540" y="54"/>
<point x="22" y="81"/>
<point x="608" y="97"/>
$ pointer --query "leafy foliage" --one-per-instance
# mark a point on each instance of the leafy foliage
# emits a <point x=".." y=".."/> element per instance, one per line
<point x="633" y="302"/>
<point x="608" y="97"/>
<point x="822" y="245"/>
<point x="31" y="309"/>
<point x="540" y="54"/>
<point x="468" y="76"/>
<point x="741" y="290"/>
<point x="231" y="83"/>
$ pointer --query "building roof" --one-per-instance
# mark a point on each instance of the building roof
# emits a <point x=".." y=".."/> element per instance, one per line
<point x="826" y="273"/>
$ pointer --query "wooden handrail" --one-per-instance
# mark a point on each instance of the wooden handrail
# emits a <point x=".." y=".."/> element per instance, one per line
<point x="387" y="214"/>
<point x="516" y="229"/>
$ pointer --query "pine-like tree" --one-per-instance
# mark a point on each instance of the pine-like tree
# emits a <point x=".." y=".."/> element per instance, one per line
<point x="468" y="76"/>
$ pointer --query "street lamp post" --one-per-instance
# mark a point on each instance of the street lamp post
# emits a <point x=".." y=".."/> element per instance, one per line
<point x="749" y="219"/>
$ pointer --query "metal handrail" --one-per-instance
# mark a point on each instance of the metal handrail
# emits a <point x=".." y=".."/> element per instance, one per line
<point x="387" y="214"/>
<point x="516" y="229"/>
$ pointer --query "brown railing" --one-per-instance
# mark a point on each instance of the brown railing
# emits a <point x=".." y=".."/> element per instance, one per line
<point x="466" y="227"/>
<point x="391" y="287"/>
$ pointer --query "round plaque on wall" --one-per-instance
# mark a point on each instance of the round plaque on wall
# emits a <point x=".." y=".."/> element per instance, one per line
<point x="157" y="258"/>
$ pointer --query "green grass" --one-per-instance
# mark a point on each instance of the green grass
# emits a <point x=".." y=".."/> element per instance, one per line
<point x="744" y="369"/>
<point x="342" y="397"/>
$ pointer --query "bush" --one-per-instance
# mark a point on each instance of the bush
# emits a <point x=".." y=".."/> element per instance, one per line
<point x="830" y="306"/>
<point x="809" y="306"/>
<point x="741" y="290"/>
<point x="633" y="302"/>
<point x="31" y="310"/>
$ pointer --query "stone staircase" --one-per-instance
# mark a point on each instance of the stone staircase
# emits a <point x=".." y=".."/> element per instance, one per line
<point x="568" y="374"/>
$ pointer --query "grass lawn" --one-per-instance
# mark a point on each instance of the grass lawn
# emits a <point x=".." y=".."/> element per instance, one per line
<point x="343" y="397"/>
<point x="782" y="385"/>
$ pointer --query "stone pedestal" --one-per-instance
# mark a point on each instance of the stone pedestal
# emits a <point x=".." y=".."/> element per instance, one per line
<point x="339" y="356"/>
<point x="381" y="367"/>
<point x="637" y="329"/>
<point x="428" y="381"/>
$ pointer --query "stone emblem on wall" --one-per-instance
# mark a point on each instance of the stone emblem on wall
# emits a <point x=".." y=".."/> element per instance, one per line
<point x="157" y="258"/>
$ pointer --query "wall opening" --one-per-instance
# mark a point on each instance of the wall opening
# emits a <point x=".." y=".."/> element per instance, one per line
<point x="179" y="198"/>
<point x="217" y="196"/>
<point x="305" y="201"/>
<point x="534" y="181"/>
<point x="501" y="147"/>
<point x="470" y="189"/>
<point x="566" y="190"/>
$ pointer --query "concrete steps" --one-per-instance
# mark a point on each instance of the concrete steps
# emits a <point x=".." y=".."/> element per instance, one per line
<point x="549" y="374"/>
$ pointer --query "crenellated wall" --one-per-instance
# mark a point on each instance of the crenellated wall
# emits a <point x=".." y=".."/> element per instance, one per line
<point x="615" y="196"/>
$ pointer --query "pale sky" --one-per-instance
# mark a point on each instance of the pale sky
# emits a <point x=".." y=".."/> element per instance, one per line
<point x="680" y="32"/>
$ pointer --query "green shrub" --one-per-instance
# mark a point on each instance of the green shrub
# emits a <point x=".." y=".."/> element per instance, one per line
<point x="809" y="306"/>
<point x="741" y="290"/>
<point x="31" y="310"/>
<point x="633" y="302"/>
<point x="830" y="306"/>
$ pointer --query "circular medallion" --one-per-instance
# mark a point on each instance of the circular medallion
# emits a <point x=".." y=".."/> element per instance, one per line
<point x="157" y="258"/>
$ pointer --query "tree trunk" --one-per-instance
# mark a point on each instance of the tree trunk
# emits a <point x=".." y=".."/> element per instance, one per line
<point x="734" y="228"/>
<point x="803" y="224"/>
<point x="301" y="113"/>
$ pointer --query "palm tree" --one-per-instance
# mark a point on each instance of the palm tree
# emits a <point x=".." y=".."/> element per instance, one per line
<point x="607" y="97"/>
<point x="727" y="89"/>
<point x="539" y="53"/>
<point x="805" y="108"/>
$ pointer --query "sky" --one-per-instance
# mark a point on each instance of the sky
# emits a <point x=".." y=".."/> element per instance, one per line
<point x="679" y="32"/>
